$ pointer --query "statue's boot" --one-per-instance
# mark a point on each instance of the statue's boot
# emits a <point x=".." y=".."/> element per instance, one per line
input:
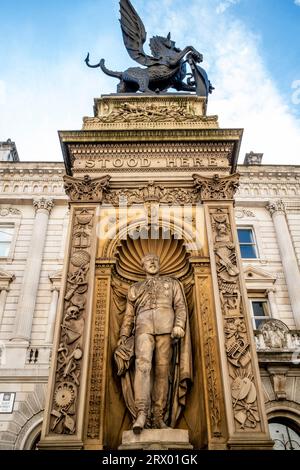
<point x="158" y="423"/>
<point x="139" y="423"/>
<point x="159" y="396"/>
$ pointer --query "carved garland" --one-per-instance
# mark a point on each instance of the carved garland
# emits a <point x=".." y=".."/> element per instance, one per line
<point x="71" y="343"/>
<point x="237" y="344"/>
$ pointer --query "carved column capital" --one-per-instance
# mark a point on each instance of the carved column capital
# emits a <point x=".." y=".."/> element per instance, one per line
<point x="86" y="189"/>
<point x="216" y="188"/>
<point x="276" y="206"/>
<point x="43" y="203"/>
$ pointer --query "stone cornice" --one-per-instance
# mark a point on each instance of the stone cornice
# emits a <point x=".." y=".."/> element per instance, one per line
<point x="68" y="138"/>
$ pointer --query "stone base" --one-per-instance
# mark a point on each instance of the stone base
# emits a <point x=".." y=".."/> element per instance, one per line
<point x="156" y="439"/>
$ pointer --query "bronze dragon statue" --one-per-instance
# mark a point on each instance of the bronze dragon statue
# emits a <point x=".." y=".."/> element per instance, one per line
<point x="165" y="69"/>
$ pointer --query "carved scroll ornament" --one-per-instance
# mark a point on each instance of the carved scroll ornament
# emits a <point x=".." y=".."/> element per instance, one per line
<point x="86" y="189"/>
<point x="217" y="187"/>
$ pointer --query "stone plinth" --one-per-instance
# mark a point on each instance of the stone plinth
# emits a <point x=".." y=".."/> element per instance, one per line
<point x="156" y="439"/>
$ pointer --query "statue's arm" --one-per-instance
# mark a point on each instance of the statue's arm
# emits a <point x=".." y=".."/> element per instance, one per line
<point x="128" y="320"/>
<point x="179" y="305"/>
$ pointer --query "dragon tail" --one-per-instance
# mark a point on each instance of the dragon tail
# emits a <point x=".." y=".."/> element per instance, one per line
<point x="109" y="72"/>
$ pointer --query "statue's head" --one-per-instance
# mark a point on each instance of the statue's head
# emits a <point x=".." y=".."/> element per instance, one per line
<point x="150" y="263"/>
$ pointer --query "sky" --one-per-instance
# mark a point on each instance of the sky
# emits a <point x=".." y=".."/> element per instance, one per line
<point x="250" y="48"/>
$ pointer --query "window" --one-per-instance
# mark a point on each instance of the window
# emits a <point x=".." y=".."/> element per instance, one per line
<point x="6" y="236"/>
<point x="247" y="243"/>
<point x="284" y="437"/>
<point x="260" y="311"/>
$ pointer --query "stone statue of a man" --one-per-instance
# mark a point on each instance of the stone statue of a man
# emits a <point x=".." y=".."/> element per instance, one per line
<point x="156" y="323"/>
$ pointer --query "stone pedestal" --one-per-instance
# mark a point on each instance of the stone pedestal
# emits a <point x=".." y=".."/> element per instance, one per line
<point x="156" y="439"/>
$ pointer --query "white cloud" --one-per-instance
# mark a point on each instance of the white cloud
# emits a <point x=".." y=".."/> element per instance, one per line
<point x="245" y="94"/>
<point x="297" y="2"/>
<point x="223" y="6"/>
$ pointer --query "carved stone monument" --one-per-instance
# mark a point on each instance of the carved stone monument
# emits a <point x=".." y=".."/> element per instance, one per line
<point x="153" y="174"/>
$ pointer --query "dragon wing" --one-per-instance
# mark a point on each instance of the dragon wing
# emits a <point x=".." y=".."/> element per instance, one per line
<point x="134" y="34"/>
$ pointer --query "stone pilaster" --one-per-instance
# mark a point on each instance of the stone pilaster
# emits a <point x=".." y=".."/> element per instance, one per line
<point x="272" y="302"/>
<point x="242" y="394"/>
<point x="27" y="299"/>
<point x="5" y="280"/>
<point x="52" y="315"/>
<point x="288" y="256"/>
<point x="205" y="330"/>
<point x="95" y="406"/>
<point x="63" y="426"/>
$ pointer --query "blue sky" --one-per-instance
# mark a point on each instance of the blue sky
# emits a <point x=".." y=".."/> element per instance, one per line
<point x="250" y="47"/>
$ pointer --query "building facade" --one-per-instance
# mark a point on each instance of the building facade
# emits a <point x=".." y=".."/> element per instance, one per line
<point x="33" y="231"/>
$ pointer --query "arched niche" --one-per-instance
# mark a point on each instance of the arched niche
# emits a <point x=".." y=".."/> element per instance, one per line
<point x="126" y="253"/>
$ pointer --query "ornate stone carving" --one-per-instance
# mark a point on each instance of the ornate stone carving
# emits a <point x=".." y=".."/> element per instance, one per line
<point x="7" y="211"/>
<point x="274" y="333"/>
<point x="278" y="377"/>
<point x="71" y="344"/>
<point x="276" y="206"/>
<point x="86" y="189"/>
<point x="210" y="353"/>
<point x="240" y="213"/>
<point x="43" y="203"/>
<point x="149" y="112"/>
<point x="253" y="158"/>
<point x="151" y="193"/>
<point x="237" y="341"/>
<point x="216" y="187"/>
<point x="97" y="366"/>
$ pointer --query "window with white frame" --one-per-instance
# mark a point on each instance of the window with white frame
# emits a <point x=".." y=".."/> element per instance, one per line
<point x="247" y="242"/>
<point x="260" y="311"/>
<point x="6" y="238"/>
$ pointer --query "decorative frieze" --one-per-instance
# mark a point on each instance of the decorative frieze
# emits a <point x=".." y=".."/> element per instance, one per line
<point x="150" y="156"/>
<point x="86" y="189"/>
<point x="216" y="188"/>
<point x="72" y="345"/>
<point x="152" y="192"/>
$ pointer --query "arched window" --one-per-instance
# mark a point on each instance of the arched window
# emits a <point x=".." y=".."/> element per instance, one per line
<point x="285" y="434"/>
